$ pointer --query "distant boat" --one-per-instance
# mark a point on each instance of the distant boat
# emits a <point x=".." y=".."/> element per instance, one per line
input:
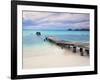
<point x="38" y="33"/>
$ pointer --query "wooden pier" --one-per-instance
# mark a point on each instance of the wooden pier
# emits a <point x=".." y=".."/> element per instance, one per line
<point x="83" y="47"/>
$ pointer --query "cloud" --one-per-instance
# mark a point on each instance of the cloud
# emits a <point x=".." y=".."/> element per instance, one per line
<point x="30" y="15"/>
<point x="65" y="17"/>
<point x="55" y="20"/>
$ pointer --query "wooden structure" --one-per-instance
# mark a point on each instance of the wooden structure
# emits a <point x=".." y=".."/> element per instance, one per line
<point x="38" y="33"/>
<point x="83" y="47"/>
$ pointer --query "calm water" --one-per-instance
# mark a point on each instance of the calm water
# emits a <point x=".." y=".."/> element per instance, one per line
<point x="30" y="38"/>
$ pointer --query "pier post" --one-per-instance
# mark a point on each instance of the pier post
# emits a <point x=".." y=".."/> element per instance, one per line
<point x="68" y="46"/>
<point x="81" y="51"/>
<point x="74" y="49"/>
<point x="62" y="46"/>
<point x="87" y="51"/>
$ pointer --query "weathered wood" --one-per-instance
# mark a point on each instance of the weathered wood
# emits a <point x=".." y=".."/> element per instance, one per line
<point x="81" y="51"/>
<point x="68" y="44"/>
<point x="74" y="49"/>
<point x="87" y="51"/>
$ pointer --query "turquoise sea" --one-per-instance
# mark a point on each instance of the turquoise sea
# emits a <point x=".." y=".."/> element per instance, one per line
<point x="30" y="38"/>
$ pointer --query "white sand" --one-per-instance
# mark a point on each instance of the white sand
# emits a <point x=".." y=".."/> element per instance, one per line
<point x="52" y="56"/>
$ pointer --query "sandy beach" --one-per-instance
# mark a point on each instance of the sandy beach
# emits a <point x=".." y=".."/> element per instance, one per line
<point x="49" y="56"/>
<point x="40" y="52"/>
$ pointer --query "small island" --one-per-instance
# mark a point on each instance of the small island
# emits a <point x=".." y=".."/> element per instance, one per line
<point x="78" y="29"/>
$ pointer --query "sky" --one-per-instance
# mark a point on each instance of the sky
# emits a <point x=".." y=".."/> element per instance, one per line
<point x="55" y="20"/>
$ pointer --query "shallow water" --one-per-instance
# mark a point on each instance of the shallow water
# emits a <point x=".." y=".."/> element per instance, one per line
<point x="30" y="38"/>
<point x="46" y="55"/>
<point x="33" y="43"/>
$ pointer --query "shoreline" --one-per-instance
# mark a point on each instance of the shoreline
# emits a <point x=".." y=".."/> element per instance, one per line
<point x="51" y="55"/>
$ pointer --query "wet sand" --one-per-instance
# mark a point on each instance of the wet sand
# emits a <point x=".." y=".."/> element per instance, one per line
<point x="50" y="56"/>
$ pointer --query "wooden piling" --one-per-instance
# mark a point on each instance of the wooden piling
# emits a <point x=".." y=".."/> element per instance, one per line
<point x="68" y="44"/>
<point x="81" y="51"/>
<point x="74" y="49"/>
<point x="87" y="51"/>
